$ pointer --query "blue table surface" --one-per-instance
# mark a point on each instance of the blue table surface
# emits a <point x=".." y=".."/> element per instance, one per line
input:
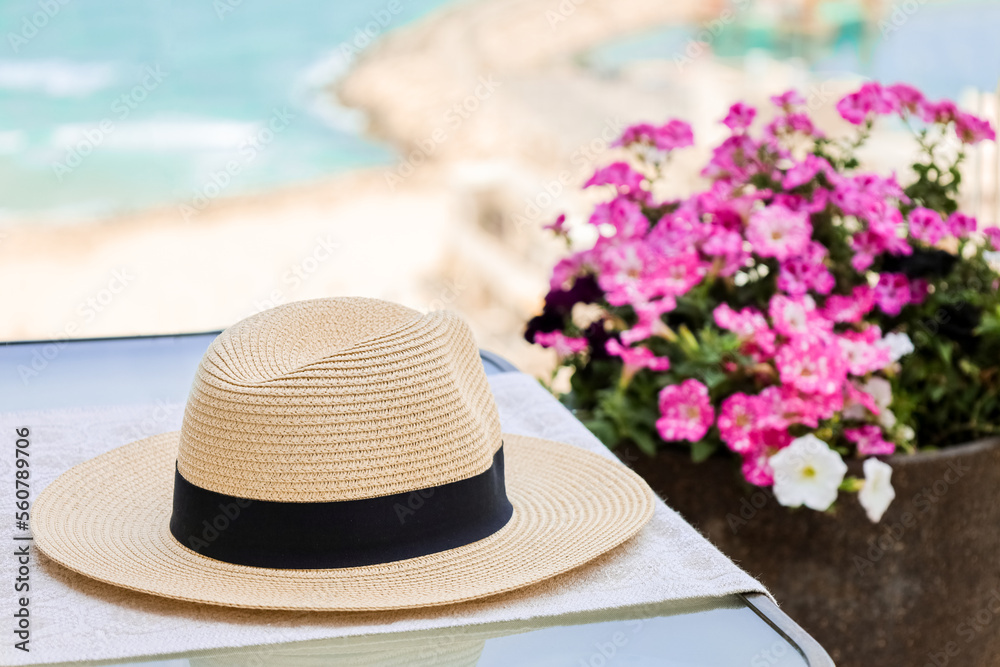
<point x="716" y="633"/>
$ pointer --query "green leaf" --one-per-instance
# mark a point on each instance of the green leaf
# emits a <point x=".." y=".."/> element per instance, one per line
<point x="604" y="430"/>
<point x="644" y="441"/>
<point x="701" y="450"/>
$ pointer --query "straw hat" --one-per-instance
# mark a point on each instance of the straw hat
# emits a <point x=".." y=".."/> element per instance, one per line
<point x="338" y="454"/>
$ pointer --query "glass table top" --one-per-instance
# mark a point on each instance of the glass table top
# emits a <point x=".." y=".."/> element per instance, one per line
<point x="736" y="630"/>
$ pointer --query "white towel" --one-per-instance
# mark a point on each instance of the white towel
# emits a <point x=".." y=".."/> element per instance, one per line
<point x="73" y="618"/>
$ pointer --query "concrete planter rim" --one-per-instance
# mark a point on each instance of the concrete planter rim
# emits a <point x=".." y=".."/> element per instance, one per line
<point x="945" y="453"/>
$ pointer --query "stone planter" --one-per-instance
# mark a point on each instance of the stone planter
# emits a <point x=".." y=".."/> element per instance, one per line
<point x="920" y="588"/>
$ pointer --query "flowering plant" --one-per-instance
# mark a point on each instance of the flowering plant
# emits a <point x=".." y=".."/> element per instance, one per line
<point x="797" y="311"/>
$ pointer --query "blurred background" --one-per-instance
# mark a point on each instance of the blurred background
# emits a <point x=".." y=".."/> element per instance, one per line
<point x="170" y="166"/>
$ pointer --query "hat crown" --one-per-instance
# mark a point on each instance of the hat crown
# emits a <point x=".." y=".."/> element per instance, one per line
<point x="338" y="399"/>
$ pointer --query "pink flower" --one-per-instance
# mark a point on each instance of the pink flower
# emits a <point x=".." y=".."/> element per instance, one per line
<point x="686" y="412"/>
<point x="558" y="225"/>
<point x="788" y="405"/>
<point x="622" y="271"/>
<point x="727" y="245"/>
<point x="678" y="229"/>
<point x="971" y="129"/>
<point x="797" y="316"/>
<point x="623" y="214"/>
<point x="650" y="323"/>
<point x="756" y="467"/>
<point x="625" y="179"/>
<point x="674" y="134"/>
<point x="870" y="99"/>
<point x="751" y="328"/>
<point x="757" y="470"/>
<point x="862" y="353"/>
<point x="857" y="398"/>
<point x="776" y="231"/>
<point x="568" y="267"/>
<point x="926" y="225"/>
<point x="811" y="365"/>
<point x="636" y="358"/>
<point x="562" y="344"/>
<point x="667" y="137"/>
<point x="740" y="117"/>
<point x="640" y="133"/>
<point x="869" y="441"/>
<point x="993" y="236"/>
<point x="938" y="112"/>
<point x="866" y="245"/>
<point x="739" y="415"/>
<point x="850" y="308"/>
<point x="803" y="172"/>
<point x="881" y="236"/>
<point x="735" y="159"/>
<point x="678" y="274"/>
<point x="892" y="293"/>
<point x="961" y="225"/>
<point x="793" y="123"/>
<point x="907" y="97"/>
<point x="806" y="272"/>
<point x="788" y="99"/>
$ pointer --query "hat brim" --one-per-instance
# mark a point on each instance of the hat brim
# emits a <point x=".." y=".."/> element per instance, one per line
<point x="107" y="518"/>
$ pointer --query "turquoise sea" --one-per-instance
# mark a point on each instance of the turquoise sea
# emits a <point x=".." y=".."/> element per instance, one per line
<point x="113" y="106"/>
<point x="182" y="88"/>
<point x="943" y="47"/>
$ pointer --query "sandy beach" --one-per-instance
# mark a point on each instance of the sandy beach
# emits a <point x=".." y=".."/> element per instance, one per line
<point x="497" y="121"/>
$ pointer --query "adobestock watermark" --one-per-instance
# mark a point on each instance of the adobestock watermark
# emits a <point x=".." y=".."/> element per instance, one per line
<point x="606" y="651"/>
<point x="424" y="149"/>
<point x="323" y="250"/>
<point x="212" y="528"/>
<point x="153" y="424"/>
<point x="87" y="311"/>
<point x="121" y="108"/>
<point x="701" y="43"/>
<point x="33" y="23"/>
<point x="365" y="35"/>
<point x="899" y="16"/>
<point x="583" y="158"/>
<point x="561" y="12"/>
<point x="247" y="151"/>
<point x="750" y="506"/>
<point x="414" y="502"/>
<point x="920" y="504"/>
<point x="225" y="7"/>
<point x="451" y="289"/>
<point x="774" y="654"/>
<point x="967" y="630"/>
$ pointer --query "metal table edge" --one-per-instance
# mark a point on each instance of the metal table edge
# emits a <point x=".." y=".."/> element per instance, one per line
<point x="814" y="654"/>
<point x="493" y="363"/>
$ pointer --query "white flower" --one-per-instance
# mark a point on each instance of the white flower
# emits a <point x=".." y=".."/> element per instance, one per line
<point x="886" y="418"/>
<point x="877" y="492"/>
<point x="807" y="472"/>
<point x="879" y="389"/>
<point x="898" y="344"/>
<point x="881" y="392"/>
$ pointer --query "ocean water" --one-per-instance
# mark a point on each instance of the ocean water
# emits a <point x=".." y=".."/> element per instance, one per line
<point x="942" y="47"/>
<point x="113" y="106"/>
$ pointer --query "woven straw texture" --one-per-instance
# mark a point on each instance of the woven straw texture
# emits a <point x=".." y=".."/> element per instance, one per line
<point x="338" y="399"/>
<point x="108" y="518"/>
<point x="79" y="618"/>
